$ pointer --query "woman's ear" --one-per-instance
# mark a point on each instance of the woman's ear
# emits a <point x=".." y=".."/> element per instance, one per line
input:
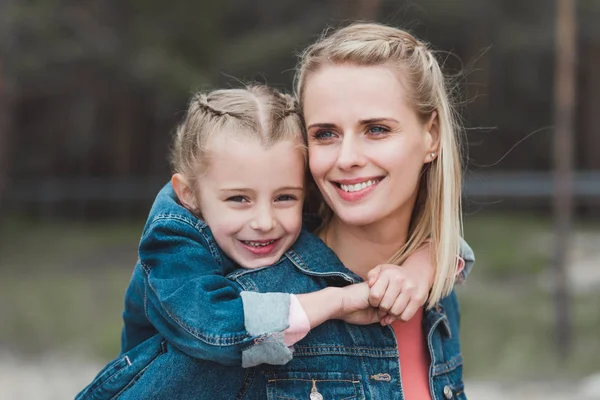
<point x="185" y="193"/>
<point x="433" y="137"/>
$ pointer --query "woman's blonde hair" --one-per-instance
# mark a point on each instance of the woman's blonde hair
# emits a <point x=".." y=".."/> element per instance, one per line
<point x="258" y="112"/>
<point x="437" y="214"/>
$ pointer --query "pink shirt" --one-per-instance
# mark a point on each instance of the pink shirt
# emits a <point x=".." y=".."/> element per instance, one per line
<point x="414" y="357"/>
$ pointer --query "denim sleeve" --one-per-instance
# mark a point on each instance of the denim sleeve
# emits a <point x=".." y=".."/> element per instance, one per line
<point x="198" y="310"/>
<point x="467" y="254"/>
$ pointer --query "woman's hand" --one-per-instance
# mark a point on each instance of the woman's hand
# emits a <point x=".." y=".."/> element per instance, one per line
<point x="399" y="291"/>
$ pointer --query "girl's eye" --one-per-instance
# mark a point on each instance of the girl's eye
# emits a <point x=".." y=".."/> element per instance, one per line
<point x="237" y="199"/>
<point x="286" y="197"/>
<point x="378" y="130"/>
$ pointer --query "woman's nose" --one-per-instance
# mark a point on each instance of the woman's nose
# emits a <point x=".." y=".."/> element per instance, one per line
<point x="350" y="153"/>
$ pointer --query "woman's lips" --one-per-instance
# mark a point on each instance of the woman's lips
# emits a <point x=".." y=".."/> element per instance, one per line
<point x="355" y="189"/>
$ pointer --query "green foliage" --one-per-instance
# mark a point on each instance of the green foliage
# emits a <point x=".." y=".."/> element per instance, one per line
<point x="62" y="288"/>
<point x="508" y="245"/>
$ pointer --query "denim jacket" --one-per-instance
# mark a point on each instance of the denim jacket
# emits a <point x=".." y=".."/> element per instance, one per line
<point x="186" y="335"/>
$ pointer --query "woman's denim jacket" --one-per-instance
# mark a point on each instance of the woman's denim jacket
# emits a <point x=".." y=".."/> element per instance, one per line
<point x="190" y="334"/>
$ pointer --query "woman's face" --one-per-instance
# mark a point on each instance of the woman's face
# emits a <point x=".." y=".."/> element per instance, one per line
<point x="367" y="147"/>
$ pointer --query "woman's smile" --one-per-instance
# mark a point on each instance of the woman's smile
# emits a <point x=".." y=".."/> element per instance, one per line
<point x="367" y="146"/>
<point x="356" y="189"/>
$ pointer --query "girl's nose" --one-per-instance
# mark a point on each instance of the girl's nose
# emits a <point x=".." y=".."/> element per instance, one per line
<point x="263" y="220"/>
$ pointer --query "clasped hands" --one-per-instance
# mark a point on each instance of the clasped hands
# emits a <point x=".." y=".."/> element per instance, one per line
<point x="390" y="293"/>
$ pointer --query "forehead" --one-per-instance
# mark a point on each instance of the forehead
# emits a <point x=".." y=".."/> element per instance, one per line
<point x="242" y="158"/>
<point x="352" y="90"/>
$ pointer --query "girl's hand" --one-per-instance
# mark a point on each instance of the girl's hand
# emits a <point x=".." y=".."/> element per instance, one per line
<point x="355" y="307"/>
<point x="399" y="291"/>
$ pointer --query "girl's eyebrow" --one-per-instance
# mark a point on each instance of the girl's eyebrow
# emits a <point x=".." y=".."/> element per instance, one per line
<point x="243" y="190"/>
<point x="246" y="190"/>
<point x="298" y="188"/>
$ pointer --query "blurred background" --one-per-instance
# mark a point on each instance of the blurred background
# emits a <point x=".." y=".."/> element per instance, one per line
<point x="90" y="93"/>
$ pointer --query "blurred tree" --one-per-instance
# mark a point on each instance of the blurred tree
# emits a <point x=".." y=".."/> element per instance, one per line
<point x="7" y="89"/>
<point x="101" y="84"/>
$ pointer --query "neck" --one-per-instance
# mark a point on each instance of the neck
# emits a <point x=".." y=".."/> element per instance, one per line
<point x="362" y="248"/>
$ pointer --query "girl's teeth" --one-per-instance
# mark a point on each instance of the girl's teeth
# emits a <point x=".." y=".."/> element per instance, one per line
<point x="357" y="186"/>
<point x="259" y="244"/>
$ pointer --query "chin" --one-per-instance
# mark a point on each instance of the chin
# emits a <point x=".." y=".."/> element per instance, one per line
<point x="358" y="217"/>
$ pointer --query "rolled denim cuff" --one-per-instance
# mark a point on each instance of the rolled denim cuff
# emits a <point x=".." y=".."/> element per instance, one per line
<point x="466" y="253"/>
<point x="266" y="315"/>
<point x="268" y="349"/>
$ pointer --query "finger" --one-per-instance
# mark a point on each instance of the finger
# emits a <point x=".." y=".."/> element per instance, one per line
<point x="410" y="310"/>
<point x="377" y="291"/>
<point x="373" y="275"/>
<point x="391" y="294"/>
<point x="382" y="315"/>
<point x="400" y="304"/>
<point x="375" y="316"/>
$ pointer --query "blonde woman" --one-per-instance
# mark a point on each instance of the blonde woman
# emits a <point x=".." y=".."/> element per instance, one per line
<point x="384" y="154"/>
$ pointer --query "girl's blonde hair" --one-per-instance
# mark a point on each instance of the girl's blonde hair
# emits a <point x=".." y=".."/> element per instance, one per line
<point x="258" y="112"/>
<point x="437" y="213"/>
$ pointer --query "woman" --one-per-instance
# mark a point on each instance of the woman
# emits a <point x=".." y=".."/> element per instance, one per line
<point x="383" y="152"/>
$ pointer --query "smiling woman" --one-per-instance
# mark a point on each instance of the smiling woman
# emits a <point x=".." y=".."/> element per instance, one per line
<point x="228" y="284"/>
<point x="383" y="151"/>
<point x="366" y="162"/>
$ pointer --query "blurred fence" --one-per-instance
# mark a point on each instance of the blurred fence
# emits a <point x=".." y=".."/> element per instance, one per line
<point x="523" y="184"/>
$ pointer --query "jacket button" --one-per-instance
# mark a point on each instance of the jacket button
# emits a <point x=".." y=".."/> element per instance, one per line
<point x="314" y="393"/>
<point x="316" y="396"/>
<point x="447" y="392"/>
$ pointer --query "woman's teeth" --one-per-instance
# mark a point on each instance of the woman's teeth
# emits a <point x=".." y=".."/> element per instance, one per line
<point x="258" y="244"/>
<point x="358" y="186"/>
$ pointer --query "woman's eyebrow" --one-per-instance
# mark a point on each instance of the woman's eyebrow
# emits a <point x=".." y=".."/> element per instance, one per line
<point x="322" y="125"/>
<point x="376" y="120"/>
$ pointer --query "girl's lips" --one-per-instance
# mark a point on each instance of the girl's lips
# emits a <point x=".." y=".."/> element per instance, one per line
<point x="260" y="247"/>
<point x="358" y="194"/>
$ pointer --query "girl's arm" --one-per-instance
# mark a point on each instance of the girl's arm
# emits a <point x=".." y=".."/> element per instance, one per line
<point x="196" y="308"/>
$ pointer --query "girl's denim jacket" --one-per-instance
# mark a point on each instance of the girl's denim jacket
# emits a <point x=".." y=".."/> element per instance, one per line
<point x="199" y="327"/>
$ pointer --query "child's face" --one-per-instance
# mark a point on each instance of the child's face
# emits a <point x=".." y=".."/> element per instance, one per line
<point x="251" y="198"/>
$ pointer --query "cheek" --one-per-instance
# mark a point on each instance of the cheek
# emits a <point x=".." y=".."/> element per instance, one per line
<point x="403" y="158"/>
<point x="291" y="219"/>
<point x="226" y="223"/>
<point x="319" y="160"/>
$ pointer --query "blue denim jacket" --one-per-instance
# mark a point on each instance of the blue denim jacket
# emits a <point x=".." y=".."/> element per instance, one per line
<point x="175" y="346"/>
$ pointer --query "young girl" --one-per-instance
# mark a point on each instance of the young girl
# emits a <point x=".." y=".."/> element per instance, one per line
<point x="236" y="201"/>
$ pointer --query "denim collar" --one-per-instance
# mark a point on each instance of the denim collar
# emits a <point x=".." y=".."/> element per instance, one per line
<point x="313" y="257"/>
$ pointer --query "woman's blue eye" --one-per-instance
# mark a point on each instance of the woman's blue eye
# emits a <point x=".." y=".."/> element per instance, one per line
<point x="377" y="130"/>
<point x="323" y="134"/>
<point x="237" y="199"/>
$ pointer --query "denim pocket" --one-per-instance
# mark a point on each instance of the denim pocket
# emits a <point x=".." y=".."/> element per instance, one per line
<point x="314" y="386"/>
<point x="448" y="380"/>
<point x="122" y="372"/>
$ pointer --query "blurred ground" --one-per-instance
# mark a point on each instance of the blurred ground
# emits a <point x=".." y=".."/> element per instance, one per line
<point x="62" y="289"/>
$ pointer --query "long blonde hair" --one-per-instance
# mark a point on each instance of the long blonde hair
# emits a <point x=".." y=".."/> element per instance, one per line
<point x="437" y="213"/>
